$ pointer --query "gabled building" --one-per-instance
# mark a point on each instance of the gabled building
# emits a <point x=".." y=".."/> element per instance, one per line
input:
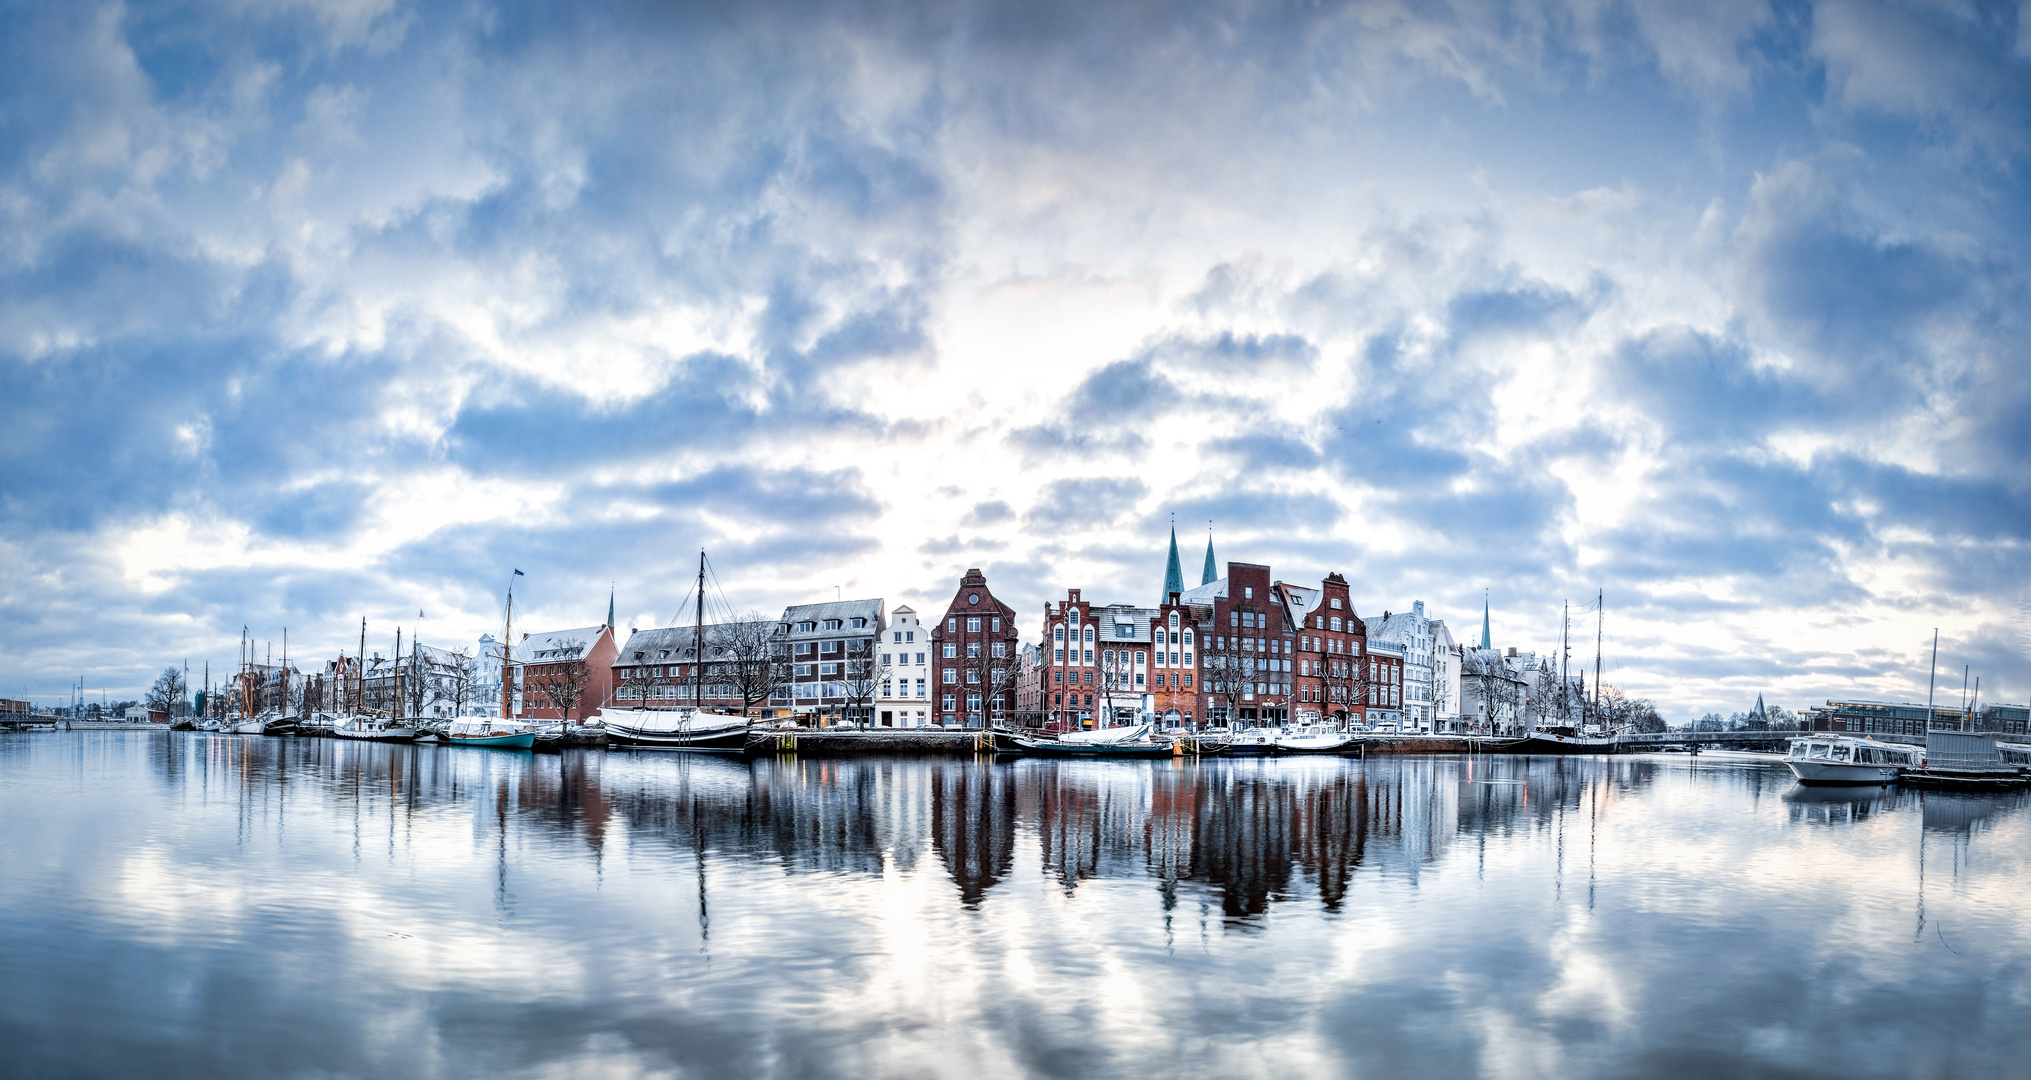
<point x="1330" y="680"/>
<point x="974" y="656"/>
<point x="1247" y="649"/>
<point x="1411" y="633"/>
<point x="903" y="658"/>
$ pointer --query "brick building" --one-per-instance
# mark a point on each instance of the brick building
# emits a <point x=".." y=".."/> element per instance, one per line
<point x="1247" y="649"/>
<point x="558" y="658"/>
<point x="1331" y="676"/>
<point x="974" y="656"/>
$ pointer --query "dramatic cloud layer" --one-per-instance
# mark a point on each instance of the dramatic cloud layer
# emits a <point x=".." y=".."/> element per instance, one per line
<point x="340" y="308"/>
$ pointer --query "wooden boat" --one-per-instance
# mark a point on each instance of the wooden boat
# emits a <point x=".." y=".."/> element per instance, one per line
<point x="1562" y="740"/>
<point x="1252" y="742"/>
<point x="675" y="729"/>
<point x="1133" y="743"/>
<point x="486" y="731"/>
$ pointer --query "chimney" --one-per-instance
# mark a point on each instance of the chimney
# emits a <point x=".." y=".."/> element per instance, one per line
<point x="1510" y="652"/>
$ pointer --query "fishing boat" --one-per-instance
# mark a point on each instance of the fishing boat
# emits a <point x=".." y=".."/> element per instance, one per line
<point x="675" y="729"/>
<point x="374" y="729"/>
<point x="1832" y="758"/>
<point x="1130" y="742"/>
<point x="486" y="731"/>
<point x="1312" y="739"/>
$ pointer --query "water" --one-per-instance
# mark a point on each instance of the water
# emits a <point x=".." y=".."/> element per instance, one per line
<point x="216" y="906"/>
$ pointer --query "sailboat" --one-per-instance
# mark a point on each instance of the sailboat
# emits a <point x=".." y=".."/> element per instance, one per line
<point x="689" y="728"/>
<point x="1132" y="742"/>
<point x="1567" y="738"/>
<point x="364" y="728"/>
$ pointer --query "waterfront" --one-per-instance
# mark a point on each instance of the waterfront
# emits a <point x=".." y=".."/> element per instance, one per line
<point x="194" y="905"/>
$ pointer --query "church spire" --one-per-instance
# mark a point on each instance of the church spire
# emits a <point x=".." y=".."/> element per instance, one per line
<point x="1174" y="574"/>
<point x="609" y="607"/>
<point x="1485" y="642"/>
<point x="1211" y="574"/>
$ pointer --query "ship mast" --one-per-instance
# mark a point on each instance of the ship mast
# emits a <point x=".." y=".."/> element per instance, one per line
<point x="360" y="672"/>
<point x="1600" y="615"/>
<point x="507" y="646"/>
<point x="698" y="641"/>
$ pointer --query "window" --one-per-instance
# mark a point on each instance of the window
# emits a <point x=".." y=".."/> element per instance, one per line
<point x="973" y="598"/>
<point x="973" y="625"/>
<point x="1234" y="618"/>
<point x="1089" y="637"/>
<point x="1174" y="620"/>
<point x="1141" y="657"/>
<point x="920" y="659"/>
<point x="859" y="624"/>
<point x="909" y="637"/>
<point x="1336" y="603"/>
<point x="803" y="669"/>
<point x="1057" y="656"/>
<point x="885" y="688"/>
<point x="832" y="624"/>
<point x="997" y="624"/>
<point x="1060" y="680"/>
<point x="828" y="669"/>
<point x="1089" y="656"/>
<point x="973" y="703"/>
<point x="920" y="688"/>
<point x="806" y="627"/>
<point x="1107" y="657"/>
<point x="1000" y="648"/>
<point x="951" y="627"/>
<point x="972" y="649"/>
<point x="885" y="659"/>
<point x="1138" y="678"/>
<point x="1248" y="592"/>
<point x="1336" y="622"/>
<point x="947" y="702"/>
<point x="973" y="675"/>
<point x="899" y="638"/>
<point x="1058" y="635"/>
<point x="951" y="649"/>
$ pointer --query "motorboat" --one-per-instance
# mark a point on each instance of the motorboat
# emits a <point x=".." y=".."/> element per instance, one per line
<point x="675" y="729"/>
<point x="374" y="729"/>
<point x="1312" y="739"/>
<point x="489" y="731"/>
<point x="1252" y="742"/>
<point x="1843" y="759"/>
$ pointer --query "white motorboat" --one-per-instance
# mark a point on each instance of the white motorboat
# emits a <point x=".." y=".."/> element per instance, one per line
<point x="1833" y="758"/>
<point x="374" y="729"/>
<point x="1311" y="739"/>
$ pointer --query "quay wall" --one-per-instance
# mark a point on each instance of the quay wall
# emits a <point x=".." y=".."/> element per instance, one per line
<point x="870" y="743"/>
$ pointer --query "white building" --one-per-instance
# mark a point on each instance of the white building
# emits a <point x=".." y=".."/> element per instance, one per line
<point x="1445" y="684"/>
<point x="1410" y="631"/>
<point x="903" y="657"/>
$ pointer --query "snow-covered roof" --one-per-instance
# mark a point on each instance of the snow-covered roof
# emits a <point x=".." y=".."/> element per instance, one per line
<point x="557" y="644"/>
<point x="1205" y="594"/>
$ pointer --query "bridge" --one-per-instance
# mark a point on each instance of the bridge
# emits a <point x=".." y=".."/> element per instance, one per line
<point x="1746" y="738"/>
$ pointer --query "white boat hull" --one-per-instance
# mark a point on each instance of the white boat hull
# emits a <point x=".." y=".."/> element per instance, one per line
<point x="1842" y="772"/>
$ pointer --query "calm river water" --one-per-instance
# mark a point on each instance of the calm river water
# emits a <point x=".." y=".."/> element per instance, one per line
<point x="227" y="906"/>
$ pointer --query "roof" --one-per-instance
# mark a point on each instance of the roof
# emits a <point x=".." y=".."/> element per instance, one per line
<point x="1136" y="619"/>
<point x="662" y="645"/>
<point x="844" y="610"/>
<point x="1205" y="594"/>
<point x="1300" y="601"/>
<point x="535" y="648"/>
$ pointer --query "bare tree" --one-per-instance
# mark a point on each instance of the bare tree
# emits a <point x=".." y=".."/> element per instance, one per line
<point x="1500" y="691"/>
<point x="1227" y="672"/>
<point x="861" y="676"/>
<point x="744" y="658"/>
<point x="167" y="691"/>
<point x="1342" y="679"/>
<point x="638" y="685"/>
<point x="559" y="682"/>
<point x="992" y="670"/>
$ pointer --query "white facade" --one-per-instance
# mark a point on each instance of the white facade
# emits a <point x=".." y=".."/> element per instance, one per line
<point x="903" y="656"/>
<point x="1412" y="632"/>
<point x="1445" y="679"/>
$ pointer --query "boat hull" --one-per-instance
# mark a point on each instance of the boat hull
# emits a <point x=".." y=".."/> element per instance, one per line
<point x="1310" y="746"/>
<point x="1848" y="773"/>
<point x="1098" y="751"/>
<point x="1546" y="743"/>
<point x="715" y="740"/>
<point x="513" y="740"/>
<point x="388" y="735"/>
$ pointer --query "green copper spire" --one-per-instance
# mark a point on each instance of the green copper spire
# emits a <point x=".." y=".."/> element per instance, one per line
<point x="1174" y="575"/>
<point x="1211" y="574"/>
<point x="1484" y="621"/>
<point x="609" y="609"/>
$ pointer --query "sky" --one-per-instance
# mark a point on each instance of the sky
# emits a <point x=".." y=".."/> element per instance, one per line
<point x="321" y="310"/>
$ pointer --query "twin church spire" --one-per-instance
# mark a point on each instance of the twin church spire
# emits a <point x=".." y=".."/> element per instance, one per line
<point x="1174" y="571"/>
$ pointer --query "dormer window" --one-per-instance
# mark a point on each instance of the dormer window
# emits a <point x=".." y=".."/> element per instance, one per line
<point x="860" y="624"/>
<point x="832" y="624"/>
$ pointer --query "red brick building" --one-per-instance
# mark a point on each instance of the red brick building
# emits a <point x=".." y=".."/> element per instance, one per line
<point x="1331" y="678"/>
<point x="658" y="669"/>
<point x="1251" y="659"/>
<point x="558" y="657"/>
<point x="973" y="660"/>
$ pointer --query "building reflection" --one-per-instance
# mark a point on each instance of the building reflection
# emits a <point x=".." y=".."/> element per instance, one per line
<point x="1237" y="837"/>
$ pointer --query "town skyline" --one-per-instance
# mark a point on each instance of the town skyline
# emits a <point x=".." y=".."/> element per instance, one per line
<point x="323" y="310"/>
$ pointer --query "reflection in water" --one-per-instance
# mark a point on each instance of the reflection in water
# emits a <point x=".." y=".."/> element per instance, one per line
<point x="249" y="906"/>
